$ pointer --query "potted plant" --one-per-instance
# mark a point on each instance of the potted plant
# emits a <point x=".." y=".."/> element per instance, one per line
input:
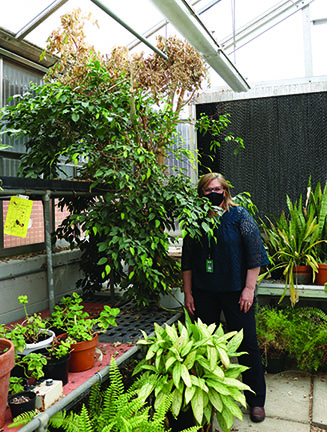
<point x="273" y="337"/>
<point x="31" y="334"/>
<point x="22" y="402"/>
<point x="318" y="201"/>
<point x="70" y="316"/>
<point x="7" y="362"/>
<point x="307" y="330"/>
<point x="21" y="398"/>
<point x="292" y="241"/>
<point x="57" y="357"/>
<point x="192" y="362"/>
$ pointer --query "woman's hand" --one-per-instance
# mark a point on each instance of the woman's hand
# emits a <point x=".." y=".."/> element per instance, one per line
<point x="189" y="303"/>
<point x="247" y="295"/>
<point x="246" y="299"/>
<point x="188" y="298"/>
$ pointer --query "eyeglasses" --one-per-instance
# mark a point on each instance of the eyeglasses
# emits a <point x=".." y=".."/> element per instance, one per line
<point x="216" y="189"/>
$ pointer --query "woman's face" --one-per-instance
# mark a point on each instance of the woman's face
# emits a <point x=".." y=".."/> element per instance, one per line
<point x="214" y="187"/>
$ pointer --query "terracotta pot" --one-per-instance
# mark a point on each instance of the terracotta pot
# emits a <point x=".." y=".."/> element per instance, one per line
<point x="7" y="362"/>
<point x="321" y="276"/>
<point x="302" y="275"/>
<point x="82" y="356"/>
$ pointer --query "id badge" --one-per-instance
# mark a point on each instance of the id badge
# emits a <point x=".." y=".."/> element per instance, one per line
<point x="209" y="266"/>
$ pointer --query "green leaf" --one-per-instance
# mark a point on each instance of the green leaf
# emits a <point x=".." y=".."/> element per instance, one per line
<point x="232" y="407"/>
<point x="108" y="269"/>
<point x="197" y="405"/>
<point x="75" y="117"/>
<point x="189" y="393"/>
<point x="186" y="376"/>
<point x="169" y="362"/>
<point x="102" y="261"/>
<point x="223" y="357"/>
<point x="176" y="402"/>
<point x="225" y="420"/>
<point x="177" y="372"/>
<point x="190" y="359"/>
<point x="215" y="399"/>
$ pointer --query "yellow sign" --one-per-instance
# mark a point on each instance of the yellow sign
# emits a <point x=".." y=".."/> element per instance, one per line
<point x="18" y="216"/>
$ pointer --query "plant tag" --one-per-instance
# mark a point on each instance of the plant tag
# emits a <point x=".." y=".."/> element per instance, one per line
<point x="209" y="265"/>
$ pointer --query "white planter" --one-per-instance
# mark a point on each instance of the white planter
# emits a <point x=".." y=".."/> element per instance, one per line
<point x="169" y="301"/>
<point x="35" y="346"/>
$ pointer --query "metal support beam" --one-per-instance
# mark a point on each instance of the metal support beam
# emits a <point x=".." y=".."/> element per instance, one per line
<point x="307" y="42"/>
<point x="187" y="22"/>
<point x="36" y="21"/>
<point x="127" y="27"/>
<point x="47" y="238"/>
<point x="263" y="23"/>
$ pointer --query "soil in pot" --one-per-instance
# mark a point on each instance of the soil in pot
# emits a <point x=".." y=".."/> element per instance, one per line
<point x="21" y="402"/>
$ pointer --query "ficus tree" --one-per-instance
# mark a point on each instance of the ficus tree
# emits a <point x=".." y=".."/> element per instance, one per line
<point x="118" y="115"/>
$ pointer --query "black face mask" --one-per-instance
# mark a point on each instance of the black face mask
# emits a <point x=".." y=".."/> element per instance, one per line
<point x="215" y="198"/>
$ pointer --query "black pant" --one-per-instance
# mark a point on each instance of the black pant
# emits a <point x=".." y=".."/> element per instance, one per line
<point x="208" y="307"/>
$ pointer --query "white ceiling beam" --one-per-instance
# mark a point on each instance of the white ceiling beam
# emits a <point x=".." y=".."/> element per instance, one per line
<point x="189" y="25"/>
<point x="154" y="29"/>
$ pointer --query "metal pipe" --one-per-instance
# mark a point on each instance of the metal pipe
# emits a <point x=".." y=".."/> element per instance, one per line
<point x="55" y="194"/>
<point x="40" y="421"/>
<point x="47" y="235"/>
<point x="36" y="21"/>
<point x="262" y="23"/>
<point x="39" y="270"/>
<point x="130" y="29"/>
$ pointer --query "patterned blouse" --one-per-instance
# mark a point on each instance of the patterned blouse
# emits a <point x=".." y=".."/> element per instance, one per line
<point x="236" y="248"/>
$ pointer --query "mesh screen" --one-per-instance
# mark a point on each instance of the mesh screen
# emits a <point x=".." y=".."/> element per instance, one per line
<point x="286" y="142"/>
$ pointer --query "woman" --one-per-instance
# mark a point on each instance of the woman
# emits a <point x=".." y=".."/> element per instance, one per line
<point x="220" y="274"/>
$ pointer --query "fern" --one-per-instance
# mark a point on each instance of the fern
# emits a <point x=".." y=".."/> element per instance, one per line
<point x="111" y="410"/>
<point x="119" y="411"/>
<point x="23" y="419"/>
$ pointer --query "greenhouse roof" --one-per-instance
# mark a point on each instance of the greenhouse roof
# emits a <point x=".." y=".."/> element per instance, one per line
<point x="243" y="42"/>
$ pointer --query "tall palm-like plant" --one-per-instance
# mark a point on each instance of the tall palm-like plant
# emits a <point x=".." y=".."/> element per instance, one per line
<point x="292" y="240"/>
